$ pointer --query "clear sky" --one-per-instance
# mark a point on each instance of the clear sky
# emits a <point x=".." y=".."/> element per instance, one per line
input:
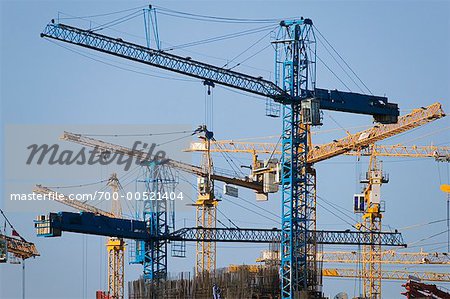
<point x="398" y="48"/>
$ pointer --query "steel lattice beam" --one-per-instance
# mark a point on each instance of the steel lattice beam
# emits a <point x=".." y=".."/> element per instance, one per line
<point x="54" y="224"/>
<point x="161" y="59"/>
<point x="102" y="146"/>
<point x="388" y="275"/>
<point x="273" y="235"/>
<point x="388" y="257"/>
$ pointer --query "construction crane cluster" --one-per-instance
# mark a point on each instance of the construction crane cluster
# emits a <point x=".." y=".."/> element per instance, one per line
<point x="289" y="173"/>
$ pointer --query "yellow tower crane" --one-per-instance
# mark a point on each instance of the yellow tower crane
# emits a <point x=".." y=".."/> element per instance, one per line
<point x="372" y="210"/>
<point x="115" y="246"/>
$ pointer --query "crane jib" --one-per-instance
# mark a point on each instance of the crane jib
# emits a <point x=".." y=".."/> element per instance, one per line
<point x="53" y="224"/>
<point x="161" y="59"/>
<point x="329" y="100"/>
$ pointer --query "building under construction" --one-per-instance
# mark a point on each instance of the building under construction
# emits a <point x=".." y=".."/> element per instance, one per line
<point x="234" y="282"/>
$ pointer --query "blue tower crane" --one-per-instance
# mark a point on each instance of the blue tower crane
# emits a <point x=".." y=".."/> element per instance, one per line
<point x="295" y="66"/>
<point x="295" y="88"/>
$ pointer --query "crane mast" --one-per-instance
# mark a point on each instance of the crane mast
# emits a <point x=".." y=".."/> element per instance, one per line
<point x="295" y="73"/>
<point x="206" y="211"/>
<point x="371" y="222"/>
<point x="116" y="248"/>
<point x="156" y="216"/>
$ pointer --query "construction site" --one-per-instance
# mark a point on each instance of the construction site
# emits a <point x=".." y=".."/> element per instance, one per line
<point x="234" y="150"/>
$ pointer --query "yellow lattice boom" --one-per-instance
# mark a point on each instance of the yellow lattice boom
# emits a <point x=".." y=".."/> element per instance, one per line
<point x="388" y="274"/>
<point x="206" y="213"/>
<point x="360" y="140"/>
<point x="78" y="205"/>
<point x="388" y="257"/>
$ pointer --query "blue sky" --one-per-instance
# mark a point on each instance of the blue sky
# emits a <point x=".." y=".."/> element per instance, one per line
<point x="399" y="48"/>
